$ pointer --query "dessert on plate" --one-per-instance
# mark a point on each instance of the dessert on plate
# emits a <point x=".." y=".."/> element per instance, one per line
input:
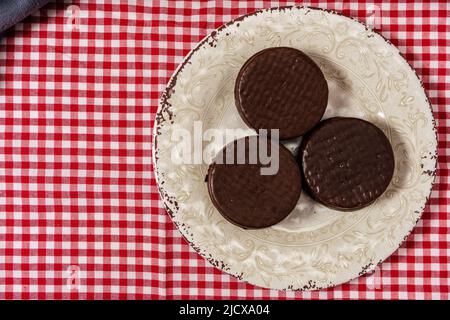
<point x="347" y="163"/>
<point x="281" y="88"/>
<point x="243" y="194"/>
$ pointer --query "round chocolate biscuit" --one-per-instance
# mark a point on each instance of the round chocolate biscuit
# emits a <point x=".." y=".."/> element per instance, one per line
<point x="347" y="163"/>
<point x="281" y="88"/>
<point x="245" y="195"/>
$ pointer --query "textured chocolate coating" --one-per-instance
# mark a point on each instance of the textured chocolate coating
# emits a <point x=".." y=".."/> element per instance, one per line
<point x="251" y="200"/>
<point x="347" y="163"/>
<point x="281" y="88"/>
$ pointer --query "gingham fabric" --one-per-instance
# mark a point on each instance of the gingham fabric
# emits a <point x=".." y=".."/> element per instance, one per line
<point x="80" y="214"/>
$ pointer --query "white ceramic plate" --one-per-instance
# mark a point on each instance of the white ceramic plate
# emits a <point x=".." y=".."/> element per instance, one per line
<point x="314" y="247"/>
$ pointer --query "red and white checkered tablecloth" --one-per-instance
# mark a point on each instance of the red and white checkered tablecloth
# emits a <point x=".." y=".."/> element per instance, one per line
<point x="80" y="214"/>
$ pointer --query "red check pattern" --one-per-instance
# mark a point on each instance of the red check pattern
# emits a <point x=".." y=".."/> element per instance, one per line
<point x="80" y="215"/>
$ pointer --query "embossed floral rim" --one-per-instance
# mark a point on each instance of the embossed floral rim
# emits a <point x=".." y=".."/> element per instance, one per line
<point x="165" y="114"/>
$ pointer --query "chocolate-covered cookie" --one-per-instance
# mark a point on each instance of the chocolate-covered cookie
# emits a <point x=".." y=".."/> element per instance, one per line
<point x="244" y="194"/>
<point x="347" y="163"/>
<point x="281" y="88"/>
